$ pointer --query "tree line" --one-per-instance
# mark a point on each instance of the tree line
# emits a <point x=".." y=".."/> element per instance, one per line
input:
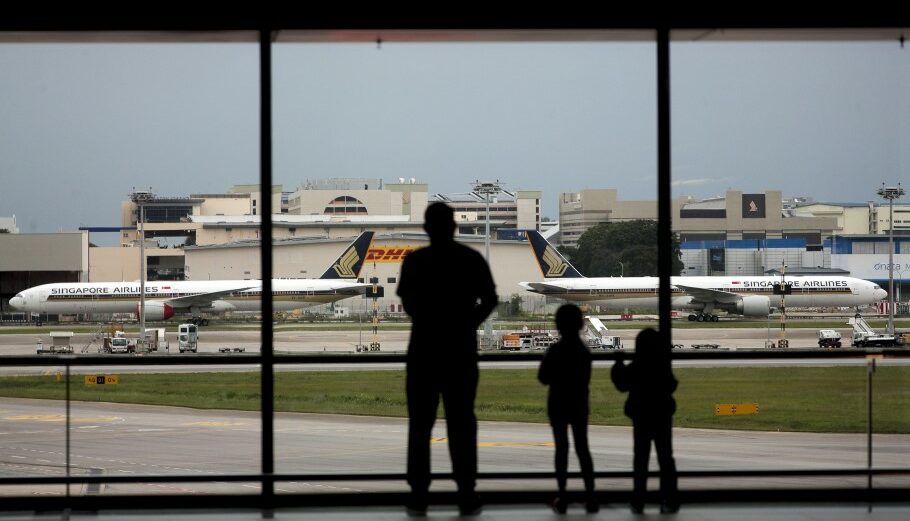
<point x="627" y="248"/>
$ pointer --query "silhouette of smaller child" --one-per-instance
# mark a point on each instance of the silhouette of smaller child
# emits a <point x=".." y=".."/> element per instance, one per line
<point x="566" y="368"/>
<point x="650" y="382"/>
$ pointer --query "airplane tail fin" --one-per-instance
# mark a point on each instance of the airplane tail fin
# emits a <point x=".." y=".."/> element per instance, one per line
<point x="551" y="262"/>
<point x="348" y="264"/>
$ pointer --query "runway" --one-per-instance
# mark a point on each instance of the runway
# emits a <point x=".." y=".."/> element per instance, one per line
<point x="120" y="439"/>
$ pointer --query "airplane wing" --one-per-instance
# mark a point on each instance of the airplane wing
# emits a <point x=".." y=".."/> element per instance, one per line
<point x="543" y="287"/>
<point x="203" y="299"/>
<point x="710" y="295"/>
<point x="354" y="289"/>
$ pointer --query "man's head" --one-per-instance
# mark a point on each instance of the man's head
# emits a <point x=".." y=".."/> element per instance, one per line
<point x="439" y="223"/>
<point x="568" y="320"/>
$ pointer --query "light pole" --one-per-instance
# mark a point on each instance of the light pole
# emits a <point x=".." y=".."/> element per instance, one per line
<point x="488" y="189"/>
<point x="140" y="198"/>
<point x="622" y="269"/>
<point x="890" y="193"/>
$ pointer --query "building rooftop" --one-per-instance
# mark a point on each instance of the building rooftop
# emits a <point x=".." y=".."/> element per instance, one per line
<point x="504" y="196"/>
<point x="284" y="219"/>
<point x="713" y="203"/>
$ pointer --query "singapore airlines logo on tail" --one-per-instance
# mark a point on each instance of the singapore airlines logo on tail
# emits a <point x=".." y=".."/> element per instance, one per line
<point x="556" y="267"/>
<point x="345" y="265"/>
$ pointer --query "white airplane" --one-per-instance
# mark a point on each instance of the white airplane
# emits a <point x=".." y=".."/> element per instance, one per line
<point x="164" y="299"/>
<point x="747" y="296"/>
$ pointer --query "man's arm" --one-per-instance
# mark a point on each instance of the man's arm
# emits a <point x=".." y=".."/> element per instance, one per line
<point x="405" y="291"/>
<point x="487" y="294"/>
<point x="619" y="375"/>
<point x="543" y="373"/>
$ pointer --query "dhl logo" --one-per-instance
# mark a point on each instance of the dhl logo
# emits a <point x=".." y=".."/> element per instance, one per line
<point x="389" y="253"/>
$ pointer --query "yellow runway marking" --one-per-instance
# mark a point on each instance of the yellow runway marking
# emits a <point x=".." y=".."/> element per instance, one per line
<point x="212" y="424"/>
<point x="518" y="444"/>
<point x="489" y="444"/>
<point x="61" y="417"/>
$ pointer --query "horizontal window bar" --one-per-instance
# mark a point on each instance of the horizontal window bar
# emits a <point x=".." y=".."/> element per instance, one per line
<point x="195" y="478"/>
<point x="380" y="358"/>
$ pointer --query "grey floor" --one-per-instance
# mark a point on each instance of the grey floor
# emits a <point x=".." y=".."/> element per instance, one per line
<point x="739" y="512"/>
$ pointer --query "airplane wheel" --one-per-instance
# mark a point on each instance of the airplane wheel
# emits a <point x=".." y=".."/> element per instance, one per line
<point x="715" y="318"/>
<point x="691" y="318"/>
<point x="700" y="318"/>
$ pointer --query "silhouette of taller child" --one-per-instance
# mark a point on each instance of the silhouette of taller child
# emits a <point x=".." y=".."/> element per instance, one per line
<point x="448" y="291"/>
<point x="566" y="368"/>
<point x="650" y="382"/>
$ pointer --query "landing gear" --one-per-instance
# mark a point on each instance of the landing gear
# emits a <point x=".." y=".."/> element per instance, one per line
<point x="703" y="317"/>
<point x="199" y="321"/>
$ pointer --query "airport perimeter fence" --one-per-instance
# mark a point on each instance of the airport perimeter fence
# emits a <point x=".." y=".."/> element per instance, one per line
<point x="268" y="498"/>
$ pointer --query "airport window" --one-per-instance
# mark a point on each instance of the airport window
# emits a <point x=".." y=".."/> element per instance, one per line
<point x="296" y="444"/>
<point x="167" y="214"/>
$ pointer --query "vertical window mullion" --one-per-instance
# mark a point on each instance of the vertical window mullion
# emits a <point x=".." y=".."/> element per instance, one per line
<point x="265" y="187"/>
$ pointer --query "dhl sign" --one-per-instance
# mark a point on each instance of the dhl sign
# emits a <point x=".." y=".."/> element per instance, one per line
<point x="389" y="253"/>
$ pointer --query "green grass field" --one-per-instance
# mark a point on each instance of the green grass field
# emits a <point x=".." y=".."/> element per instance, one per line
<point x="809" y="399"/>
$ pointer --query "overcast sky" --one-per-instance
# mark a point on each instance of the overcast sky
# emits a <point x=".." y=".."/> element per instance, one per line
<point x="81" y="124"/>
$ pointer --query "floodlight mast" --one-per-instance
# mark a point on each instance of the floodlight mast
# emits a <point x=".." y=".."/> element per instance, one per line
<point x="890" y="193"/>
<point x="140" y="198"/>
<point x="488" y="189"/>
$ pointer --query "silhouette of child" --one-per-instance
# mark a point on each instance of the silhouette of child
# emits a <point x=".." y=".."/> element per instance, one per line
<point x="566" y="368"/>
<point x="650" y="382"/>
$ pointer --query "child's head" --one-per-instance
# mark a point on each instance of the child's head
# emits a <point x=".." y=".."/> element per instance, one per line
<point x="568" y="320"/>
<point x="648" y="346"/>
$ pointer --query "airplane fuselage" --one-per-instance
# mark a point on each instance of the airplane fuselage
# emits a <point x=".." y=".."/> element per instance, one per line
<point x="124" y="297"/>
<point x="619" y="293"/>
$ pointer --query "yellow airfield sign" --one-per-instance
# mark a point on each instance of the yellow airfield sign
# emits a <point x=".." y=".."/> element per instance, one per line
<point x="735" y="409"/>
<point x="102" y="379"/>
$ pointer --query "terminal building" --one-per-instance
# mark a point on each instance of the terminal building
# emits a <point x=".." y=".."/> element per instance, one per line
<point x="733" y="216"/>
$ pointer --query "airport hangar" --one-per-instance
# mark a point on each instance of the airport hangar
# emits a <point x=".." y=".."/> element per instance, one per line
<point x="512" y="261"/>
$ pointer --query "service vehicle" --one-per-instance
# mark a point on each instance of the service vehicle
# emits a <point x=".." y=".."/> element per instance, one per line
<point x="865" y="336"/>
<point x="828" y="338"/>
<point x="187" y="337"/>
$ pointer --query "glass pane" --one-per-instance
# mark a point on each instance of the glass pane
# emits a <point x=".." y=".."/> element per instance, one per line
<point x="890" y="419"/>
<point x="104" y="143"/>
<point x="369" y="136"/>
<point x="33" y="426"/>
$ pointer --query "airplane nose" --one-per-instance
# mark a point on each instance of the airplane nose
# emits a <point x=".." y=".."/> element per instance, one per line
<point x="17" y="302"/>
<point x="880" y="294"/>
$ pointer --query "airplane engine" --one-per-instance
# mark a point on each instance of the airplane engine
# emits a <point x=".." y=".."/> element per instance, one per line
<point x="219" y="306"/>
<point x="754" y="306"/>
<point x="156" y="311"/>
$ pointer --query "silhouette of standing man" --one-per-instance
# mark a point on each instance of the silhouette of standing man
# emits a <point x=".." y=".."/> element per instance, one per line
<point x="448" y="291"/>
<point x="566" y="368"/>
<point x="650" y="382"/>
